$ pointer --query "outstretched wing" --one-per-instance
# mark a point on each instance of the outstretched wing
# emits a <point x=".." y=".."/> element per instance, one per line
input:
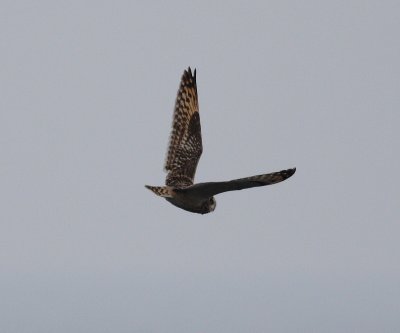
<point x="207" y="190"/>
<point x="185" y="145"/>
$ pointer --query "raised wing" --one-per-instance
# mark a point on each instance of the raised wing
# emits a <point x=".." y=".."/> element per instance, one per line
<point x="206" y="190"/>
<point x="185" y="144"/>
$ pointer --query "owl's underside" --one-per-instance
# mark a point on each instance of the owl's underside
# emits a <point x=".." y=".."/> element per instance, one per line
<point x="184" y="151"/>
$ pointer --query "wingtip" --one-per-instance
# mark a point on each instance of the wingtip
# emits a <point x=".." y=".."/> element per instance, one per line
<point x="189" y="71"/>
<point x="189" y="77"/>
<point x="288" y="173"/>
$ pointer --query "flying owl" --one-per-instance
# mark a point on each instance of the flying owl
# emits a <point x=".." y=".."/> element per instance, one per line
<point x="184" y="151"/>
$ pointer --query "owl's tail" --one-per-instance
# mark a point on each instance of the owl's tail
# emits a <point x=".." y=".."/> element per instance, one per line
<point x="162" y="191"/>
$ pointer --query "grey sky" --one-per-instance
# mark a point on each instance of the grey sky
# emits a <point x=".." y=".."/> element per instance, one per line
<point x="87" y="93"/>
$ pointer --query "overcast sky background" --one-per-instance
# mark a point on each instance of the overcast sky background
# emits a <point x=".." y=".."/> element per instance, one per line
<point x="87" y="91"/>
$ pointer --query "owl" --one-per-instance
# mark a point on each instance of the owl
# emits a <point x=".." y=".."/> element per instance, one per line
<point x="183" y="154"/>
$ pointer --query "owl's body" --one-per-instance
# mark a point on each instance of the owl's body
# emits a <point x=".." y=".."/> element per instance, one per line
<point x="184" y="151"/>
<point x="193" y="203"/>
<point x="185" y="199"/>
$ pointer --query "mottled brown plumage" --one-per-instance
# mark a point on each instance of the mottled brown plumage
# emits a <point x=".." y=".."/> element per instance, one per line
<point x="183" y="154"/>
<point x="185" y="146"/>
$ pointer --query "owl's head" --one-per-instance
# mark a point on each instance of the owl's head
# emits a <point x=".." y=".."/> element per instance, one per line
<point x="212" y="204"/>
<point x="208" y="206"/>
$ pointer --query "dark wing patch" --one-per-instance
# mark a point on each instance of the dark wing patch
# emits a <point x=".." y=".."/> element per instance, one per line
<point x="185" y="146"/>
<point x="213" y="188"/>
